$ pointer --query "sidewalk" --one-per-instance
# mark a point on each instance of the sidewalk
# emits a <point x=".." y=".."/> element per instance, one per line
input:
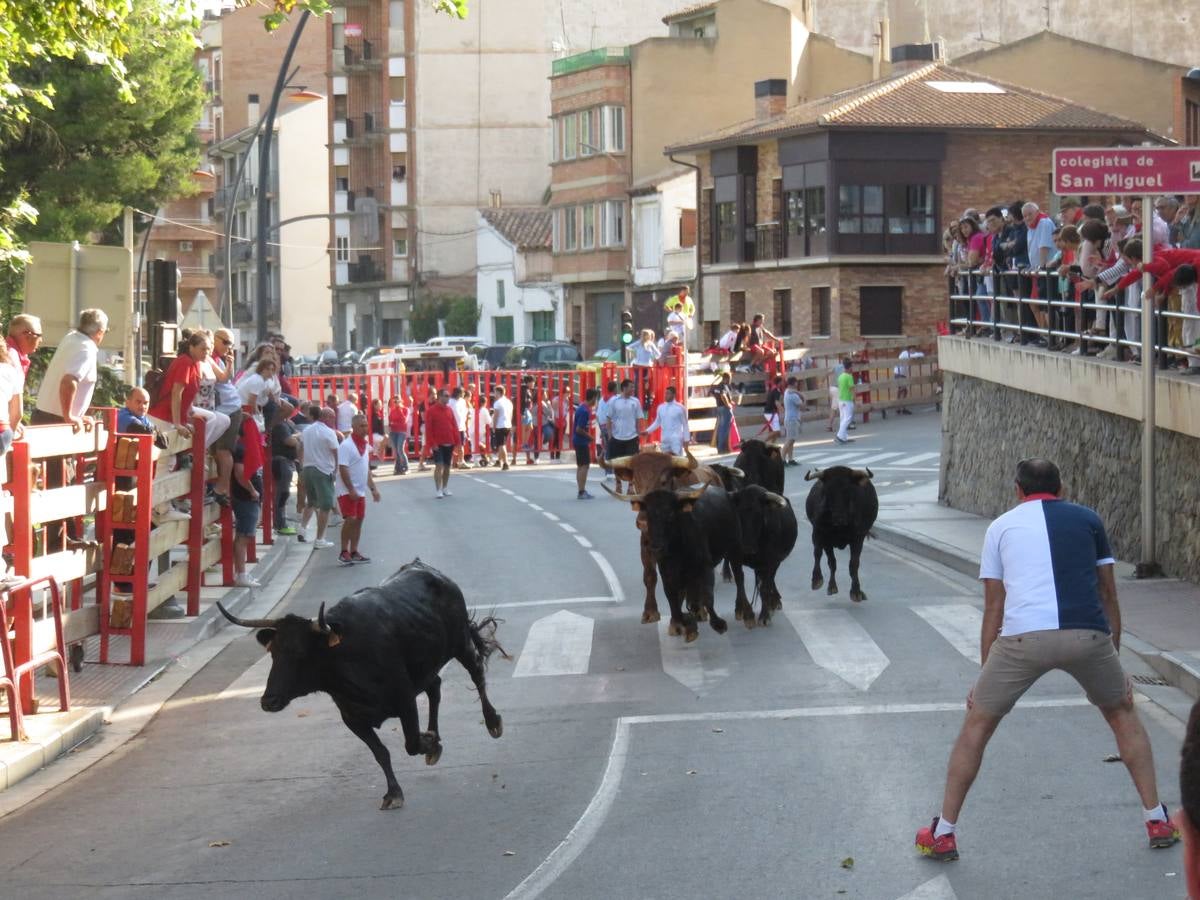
<point x="99" y="689"/>
<point x="1160" y="616"/>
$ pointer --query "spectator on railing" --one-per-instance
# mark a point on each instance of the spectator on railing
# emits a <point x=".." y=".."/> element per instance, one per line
<point x="318" y="449"/>
<point x="218" y="393"/>
<point x="1185" y="283"/>
<point x="646" y="352"/>
<point x="398" y="433"/>
<point x="247" y="498"/>
<point x="1040" y="246"/>
<point x="672" y="420"/>
<point x="728" y="340"/>
<point x="1187" y="223"/>
<point x="285" y="462"/>
<point x="502" y="423"/>
<point x="260" y="387"/>
<point x="722" y="394"/>
<point x="24" y="338"/>
<point x="175" y="407"/>
<point x="973" y="245"/>
<point x="1092" y="251"/>
<point x="761" y="343"/>
<point x="70" y="378"/>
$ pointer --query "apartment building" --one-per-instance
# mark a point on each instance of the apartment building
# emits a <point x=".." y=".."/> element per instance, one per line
<point x="518" y="299"/>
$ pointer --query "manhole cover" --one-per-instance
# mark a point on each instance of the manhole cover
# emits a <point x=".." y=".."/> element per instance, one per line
<point x="1150" y="679"/>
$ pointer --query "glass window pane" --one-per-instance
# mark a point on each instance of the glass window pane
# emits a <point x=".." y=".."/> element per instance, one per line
<point x="872" y="199"/>
<point x="849" y="199"/>
<point x="815" y="203"/>
<point x="872" y="225"/>
<point x="795" y="212"/>
<point x="849" y="225"/>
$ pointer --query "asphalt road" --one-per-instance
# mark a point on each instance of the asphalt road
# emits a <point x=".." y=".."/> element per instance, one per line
<point x="754" y="764"/>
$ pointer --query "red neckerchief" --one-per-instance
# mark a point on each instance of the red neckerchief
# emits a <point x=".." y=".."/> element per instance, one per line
<point x="1036" y="220"/>
<point x="24" y="359"/>
<point x="1029" y="497"/>
<point x="360" y="443"/>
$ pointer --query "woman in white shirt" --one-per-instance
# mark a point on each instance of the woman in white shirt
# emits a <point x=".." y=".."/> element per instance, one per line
<point x="260" y="387"/>
<point x="646" y="353"/>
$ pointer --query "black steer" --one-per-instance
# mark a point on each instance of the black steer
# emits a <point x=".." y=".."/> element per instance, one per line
<point x="373" y="652"/>
<point x="762" y="464"/>
<point x="842" y="506"/>
<point x="687" y="533"/>
<point x="769" y="530"/>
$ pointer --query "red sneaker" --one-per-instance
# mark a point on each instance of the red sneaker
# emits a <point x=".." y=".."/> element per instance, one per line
<point x="1162" y="833"/>
<point x="943" y="849"/>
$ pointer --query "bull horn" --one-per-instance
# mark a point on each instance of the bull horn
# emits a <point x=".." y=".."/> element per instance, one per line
<point x="693" y="463"/>
<point x="870" y="474"/>
<point x="246" y="623"/>
<point x="735" y="471"/>
<point x="776" y="499"/>
<point x="691" y="495"/>
<point x="812" y="474"/>
<point x="621" y="462"/>
<point x="627" y="498"/>
<point x="322" y="628"/>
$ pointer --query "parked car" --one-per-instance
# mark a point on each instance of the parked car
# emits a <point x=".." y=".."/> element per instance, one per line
<point x="491" y="356"/>
<point x="328" y="362"/>
<point x="597" y="360"/>
<point x="543" y="355"/>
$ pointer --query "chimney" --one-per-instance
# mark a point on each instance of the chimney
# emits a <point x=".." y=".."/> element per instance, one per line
<point x="252" y="109"/>
<point x="497" y="198"/>
<point x="770" y="98"/>
<point x="907" y="57"/>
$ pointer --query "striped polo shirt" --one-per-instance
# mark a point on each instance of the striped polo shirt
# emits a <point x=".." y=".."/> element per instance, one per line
<point x="1046" y="552"/>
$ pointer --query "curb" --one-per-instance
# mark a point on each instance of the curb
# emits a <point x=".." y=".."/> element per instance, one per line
<point x="85" y="722"/>
<point x="1179" y="673"/>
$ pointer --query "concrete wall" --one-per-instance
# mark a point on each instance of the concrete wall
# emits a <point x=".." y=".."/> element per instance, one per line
<point x="500" y="261"/>
<point x="307" y="300"/>
<point x="1002" y="404"/>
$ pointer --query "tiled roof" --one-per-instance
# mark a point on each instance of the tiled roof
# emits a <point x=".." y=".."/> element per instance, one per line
<point x="526" y="228"/>
<point x="914" y="100"/>
<point x="687" y="11"/>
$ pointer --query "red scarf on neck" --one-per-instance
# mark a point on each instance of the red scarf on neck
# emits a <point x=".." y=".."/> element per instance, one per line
<point x="360" y="443"/>
<point x="24" y="358"/>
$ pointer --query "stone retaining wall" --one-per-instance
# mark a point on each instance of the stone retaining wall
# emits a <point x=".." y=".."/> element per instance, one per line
<point x="987" y="427"/>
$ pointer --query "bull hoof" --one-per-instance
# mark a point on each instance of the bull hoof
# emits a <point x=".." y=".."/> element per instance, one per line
<point x="674" y="629"/>
<point x="818" y="582"/>
<point x="392" y="801"/>
<point x="857" y="596"/>
<point x="832" y="589"/>
<point x="737" y="613"/>
<point x="432" y="756"/>
<point x="702" y="614"/>
<point x="650" y="616"/>
<point x="719" y="625"/>
<point x="776" y="604"/>
<point x="496" y="728"/>
<point x="748" y="621"/>
<point x="764" y="618"/>
<point x="690" y="636"/>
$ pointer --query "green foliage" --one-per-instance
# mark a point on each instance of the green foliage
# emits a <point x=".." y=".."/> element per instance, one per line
<point x="461" y="315"/>
<point x="282" y="9"/>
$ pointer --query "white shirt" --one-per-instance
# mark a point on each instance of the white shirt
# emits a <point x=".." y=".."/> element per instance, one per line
<point x="460" y="412"/>
<point x="1041" y="237"/>
<point x="14" y="359"/>
<point x="502" y="413"/>
<point x="728" y="339"/>
<point x="676" y="323"/>
<point x="11" y="379"/>
<point x="357" y="467"/>
<point x="320" y="447"/>
<point x="623" y="416"/>
<point x="262" y="389"/>
<point x="346" y="411"/>
<point x="76" y="355"/>
<point x="645" y="354"/>
<point x="485" y="419"/>
<point x="671" y="417"/>
<point x="901" y="371"/>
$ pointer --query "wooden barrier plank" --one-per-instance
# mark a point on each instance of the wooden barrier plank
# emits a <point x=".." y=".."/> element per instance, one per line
<point x="78" y="625"/>
<point x="211" y="554"/>
<point x="170" y="583"/>
<point x="67" y="565"/>
<point x="67" y="502"/>
<point x="166" y="536"/>
<point x="63" y="440"/>
<point x="172" y="486"/>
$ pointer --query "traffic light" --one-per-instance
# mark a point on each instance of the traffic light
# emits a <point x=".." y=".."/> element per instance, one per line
<point x="626" y="327"/>
<point x="162" y="303"/>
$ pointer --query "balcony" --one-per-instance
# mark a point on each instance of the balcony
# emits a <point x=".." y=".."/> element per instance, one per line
<point x="361" y="57"/>
<point x="768" y="241"/>
<point x="366" y="270"/>
<point x="365" y="129"/>
<point x="242" y="251"/>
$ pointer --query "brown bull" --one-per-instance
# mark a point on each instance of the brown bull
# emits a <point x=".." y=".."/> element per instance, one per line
<point x="652" y="470"/>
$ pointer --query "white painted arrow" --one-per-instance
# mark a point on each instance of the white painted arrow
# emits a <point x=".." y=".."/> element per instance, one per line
<point x="959" y="623"/>
<point x="699" y="666"/>
<point x="838" y="643"/>
<point x="559" y="644"/>
<point x="934" y="889"/>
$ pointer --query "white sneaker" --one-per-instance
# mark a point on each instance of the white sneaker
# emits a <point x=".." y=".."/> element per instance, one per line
<point x="446" y="493"/>
<point x="439" y="495"/>
<point x="322" y="544"/>
<point x="246" y="580"/>
<point x="335" y="521"/>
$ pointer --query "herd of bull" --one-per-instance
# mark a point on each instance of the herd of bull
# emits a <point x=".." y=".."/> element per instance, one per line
<point x="376" y="650"/>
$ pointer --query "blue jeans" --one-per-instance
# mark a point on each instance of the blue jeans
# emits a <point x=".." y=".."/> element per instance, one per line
<point x="399" y="442"/>
<point x="724" y="422"/>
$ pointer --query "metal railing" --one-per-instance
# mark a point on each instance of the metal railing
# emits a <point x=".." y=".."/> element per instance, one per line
<point x="1027" y="306"/>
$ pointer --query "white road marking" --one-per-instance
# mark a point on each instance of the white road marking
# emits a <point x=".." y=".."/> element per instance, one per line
<point x="509" y="491"/>
<point x="935" y="889"/>
<point x="519" y="498"/>
<point x="919" y="458"/>
<point x="583" y="542"/>
<point x="838" y="643"/>
<point x="699" y="666"/>
<point x="933" y="570"/>
<point x="959" y="623"/>
<point x="535" y="507"/>
<point x="251" y="682"/>
<point x="569" y="529"/>
<point x="592" y="819"/>
<point x="844" y="458"/>
<point x="551" y="516"/>
<point x="559" y="644"/>
<point x="878" y="457"/>
<point x="610" y="576"/>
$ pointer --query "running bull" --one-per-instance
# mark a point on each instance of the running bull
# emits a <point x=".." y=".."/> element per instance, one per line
<point x="374" y="652"/>
<point x="842" y="506"/>
<point x="768" y="528"/>
<point x="761" y="463"/>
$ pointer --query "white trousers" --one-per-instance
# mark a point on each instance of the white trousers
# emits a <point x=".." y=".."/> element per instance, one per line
<point x="215" y="424"/>
<point x="846" y="408"/>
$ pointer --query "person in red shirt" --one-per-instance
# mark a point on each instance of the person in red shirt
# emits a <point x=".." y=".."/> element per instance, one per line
<point x="178" y="390"/>
<point x="398" y="433"/>
<point x="441" y="433"/>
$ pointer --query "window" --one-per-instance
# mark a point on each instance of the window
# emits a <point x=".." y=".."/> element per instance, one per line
<point x="568" y="136"/>
<point x="587" y="137"/>
<point x="910" y="209"/>
<point x="502" y="329"/>
<point x="860" y="209"/>
<point x="541" y="326"/>
<point x="570" y="229"/>
<point x="500" y="293"/>
<point x="342" y="252"/>
<point x="399" y="166"/>
<point x="341" y="183"/>
<point x="822" y="311"/>
<point x="726" y="219"/>
<point x="1191" y="122"/>
<point x="339" y="106"/>
<point x="400" y="247"/>
<point x="612" y="223"/>
<point x="737" y="306"/>
<point x="804" y="220"/>
<point x="555" y="139"/>
<point x="185" y="246"/>
<point x="589" y="226"/>
<point x="687" y="228"/>
<point x="879" y="310"/>
<point x="397" y="88"/>
<point x="612" y="127"/>
<point x="781" y="319"/>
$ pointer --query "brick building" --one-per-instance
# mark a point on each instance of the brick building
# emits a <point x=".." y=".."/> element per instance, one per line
<point x="827" y="216"/>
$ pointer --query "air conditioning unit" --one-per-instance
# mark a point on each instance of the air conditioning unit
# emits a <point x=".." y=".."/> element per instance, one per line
<point x="185" y="246"/>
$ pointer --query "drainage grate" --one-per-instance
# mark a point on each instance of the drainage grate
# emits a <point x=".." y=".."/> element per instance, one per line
<point x="1150" y="679"/>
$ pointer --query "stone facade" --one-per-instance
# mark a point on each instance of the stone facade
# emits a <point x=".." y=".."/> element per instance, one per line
<point x="987" y="427"/>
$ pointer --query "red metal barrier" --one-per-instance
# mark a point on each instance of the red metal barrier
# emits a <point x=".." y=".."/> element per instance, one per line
<point x="19" y="661"/>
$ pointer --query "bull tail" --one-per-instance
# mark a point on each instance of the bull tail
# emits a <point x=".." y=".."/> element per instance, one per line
<point x="483" y="636"/>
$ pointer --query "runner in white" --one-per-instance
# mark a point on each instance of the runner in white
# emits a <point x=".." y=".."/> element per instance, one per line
<point x="671" y="418"/>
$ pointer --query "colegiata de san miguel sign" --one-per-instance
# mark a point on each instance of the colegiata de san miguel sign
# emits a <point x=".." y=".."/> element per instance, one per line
<point x="1127" y="170"/>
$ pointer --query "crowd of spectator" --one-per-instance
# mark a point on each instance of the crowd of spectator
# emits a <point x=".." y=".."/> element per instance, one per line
<point x="1089" y="254"/>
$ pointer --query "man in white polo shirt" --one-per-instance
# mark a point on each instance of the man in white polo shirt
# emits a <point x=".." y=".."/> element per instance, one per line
<point x="671" y="417"/>
<point x="1050" y="602"/>
<point x="319" y="450"/>
<point x="624" y="413"/>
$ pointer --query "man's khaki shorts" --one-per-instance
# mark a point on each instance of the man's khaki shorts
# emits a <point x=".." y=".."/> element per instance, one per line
<point x="1014" y="663"/>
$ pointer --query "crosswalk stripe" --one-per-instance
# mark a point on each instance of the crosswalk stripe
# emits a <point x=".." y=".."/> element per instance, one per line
<point x="913" y="460"/>
<point x="959" y="623"/>
<point x="836" y="642"/>
<point x="878" y="457"/>
<point x="935" y="889"/>
<point x="837" y="459"/>
<point x="559" y="644"/>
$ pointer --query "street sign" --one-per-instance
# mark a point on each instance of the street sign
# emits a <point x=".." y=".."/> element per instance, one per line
<point x="350" y="29"/>
<point x="1127" y="170"/>
<point x="63" y="279"/>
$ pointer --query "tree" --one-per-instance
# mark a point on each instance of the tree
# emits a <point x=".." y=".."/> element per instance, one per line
<point x="81" y="161"/>
<point x="283" y="8"/>
<point x="460" y="314"/>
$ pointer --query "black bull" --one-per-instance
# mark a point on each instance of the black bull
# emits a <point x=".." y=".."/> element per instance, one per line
<point x="768" y="532"/>
<point x="374" y="652"/>
<point x="842" y="506"/>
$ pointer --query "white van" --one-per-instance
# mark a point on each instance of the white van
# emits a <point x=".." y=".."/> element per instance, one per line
<point x="450" y="339"/>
